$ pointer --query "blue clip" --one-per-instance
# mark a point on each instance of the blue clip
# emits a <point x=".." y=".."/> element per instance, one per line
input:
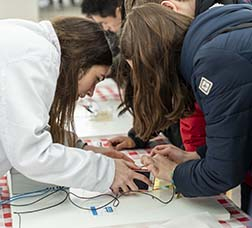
<point x="109" y="209"/>
<point x="93" y="210"/>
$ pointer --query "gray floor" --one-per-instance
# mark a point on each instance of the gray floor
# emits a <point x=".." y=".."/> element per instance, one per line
<point x="47" y="12"/>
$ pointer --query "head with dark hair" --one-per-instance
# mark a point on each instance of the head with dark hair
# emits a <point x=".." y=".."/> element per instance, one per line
<point x="191" y="7"/>
<point x="103" y="8"/>
<point x="109" y="13"/>
<point x="185" y="7"/>
<point x="151" y="42"/>
<point x="85" y="59"/>
<point x="129" y="4"/>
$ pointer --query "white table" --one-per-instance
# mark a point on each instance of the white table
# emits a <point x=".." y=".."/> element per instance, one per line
<point x="133" y="209"/>
<point x="107" y="98"/>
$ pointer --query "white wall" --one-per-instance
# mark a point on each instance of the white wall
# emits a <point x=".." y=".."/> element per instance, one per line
<point x="25" y="9"/>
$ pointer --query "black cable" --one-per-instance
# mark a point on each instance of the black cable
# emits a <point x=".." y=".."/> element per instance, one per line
<point x="114" y="199"/>
<point x="36" y="201"/>
<point x="43" y="208"/>
<point x="152" y="196"/>
<point x="19" y="220"/>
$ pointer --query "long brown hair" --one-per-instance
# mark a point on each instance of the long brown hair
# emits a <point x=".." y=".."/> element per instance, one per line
<point x="83" y="45"/>
<point x="152" y="38"/>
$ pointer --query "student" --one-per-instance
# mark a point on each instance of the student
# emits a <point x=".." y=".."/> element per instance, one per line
<point x="108" y="13"/>
<point x="188" y="133"/>
<point x="192" y="128"/>
<point x="45" y="67"/>
<point x="214" y="55"/>
<point x="188" y="7"/>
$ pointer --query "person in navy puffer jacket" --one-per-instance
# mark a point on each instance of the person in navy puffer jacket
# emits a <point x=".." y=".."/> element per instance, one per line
<point x="215" y="57"/>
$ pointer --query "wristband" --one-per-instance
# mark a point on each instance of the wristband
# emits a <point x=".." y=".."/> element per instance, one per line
<point x="83" y="146"/>
<point x="171" y="176"/>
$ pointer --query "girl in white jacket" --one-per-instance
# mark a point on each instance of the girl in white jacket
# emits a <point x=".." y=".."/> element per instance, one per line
<point x="44" y="68"/>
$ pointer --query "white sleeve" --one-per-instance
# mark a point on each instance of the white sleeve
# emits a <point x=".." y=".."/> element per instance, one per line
<point x="29" y="90"/>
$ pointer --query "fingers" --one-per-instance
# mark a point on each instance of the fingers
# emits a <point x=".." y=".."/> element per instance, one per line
<point x="122" y="142"/>
<point x="114" y="141"/>
<point x="127" y="158"/>
<point x="153" y="169"/>
<point x="146" y="160"/>
<point x="124" y="176"/>
<point x="132" y="165"/>
<point x="124" y="188"/>
<point x="164" y="150"/>
<point x="121" y="145"/>
<point x="149" y="163"/>
<point x="161" y="147"/>
<point x="118" y="189"/>
<point x="158" y="149"/>
<point x="118" y="143"/>
<point x="132" y="186"/>
<point x="118" y="155"/>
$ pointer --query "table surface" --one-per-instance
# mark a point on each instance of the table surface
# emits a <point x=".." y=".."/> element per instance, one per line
<point x="60" y="215"/>
<point x="105" y="101"/>
<point x="66" y="215"/>
<point x="94" y="131"/>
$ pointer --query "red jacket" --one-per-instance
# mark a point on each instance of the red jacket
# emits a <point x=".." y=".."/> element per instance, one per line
<point x="192" y="130"/>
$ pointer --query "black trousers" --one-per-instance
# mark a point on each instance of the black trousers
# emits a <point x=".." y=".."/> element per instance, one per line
<point x="246" y="202"/>
<point x="61" y="2"/>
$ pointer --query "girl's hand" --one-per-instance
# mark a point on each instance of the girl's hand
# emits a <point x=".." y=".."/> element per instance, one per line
<point x="122" y="142"/>
<point x="174" y="153"/>
<point x="160" y="166"/>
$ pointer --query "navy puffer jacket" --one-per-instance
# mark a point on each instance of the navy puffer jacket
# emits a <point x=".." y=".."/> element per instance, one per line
<point x="219" y="70"/>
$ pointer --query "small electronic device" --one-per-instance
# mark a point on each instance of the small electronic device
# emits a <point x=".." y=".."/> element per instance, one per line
<point x="141" y="185"/>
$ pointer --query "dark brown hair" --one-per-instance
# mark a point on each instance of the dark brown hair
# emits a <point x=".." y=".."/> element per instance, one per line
<point x="152" y="38"/>
<point x="83" y="45"/>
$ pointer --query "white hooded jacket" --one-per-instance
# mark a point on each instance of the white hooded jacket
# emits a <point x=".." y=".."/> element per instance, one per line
<point x="29" y="69"/>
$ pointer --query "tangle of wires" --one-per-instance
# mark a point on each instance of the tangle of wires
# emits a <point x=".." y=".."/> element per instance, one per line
<point x="44" y="194"/>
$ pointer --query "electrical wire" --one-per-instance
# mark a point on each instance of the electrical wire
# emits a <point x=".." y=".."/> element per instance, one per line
<point x="114" y="200"/>
<point x="25" y="195"/>
<point x="40" y="199"/>
<point x="151" y="195"/>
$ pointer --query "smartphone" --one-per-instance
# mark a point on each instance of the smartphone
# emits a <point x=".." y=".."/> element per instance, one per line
<point x="141" y="185"/>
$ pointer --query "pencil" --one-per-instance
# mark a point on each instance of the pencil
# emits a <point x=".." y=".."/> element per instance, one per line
<point x="88" y="109"/>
